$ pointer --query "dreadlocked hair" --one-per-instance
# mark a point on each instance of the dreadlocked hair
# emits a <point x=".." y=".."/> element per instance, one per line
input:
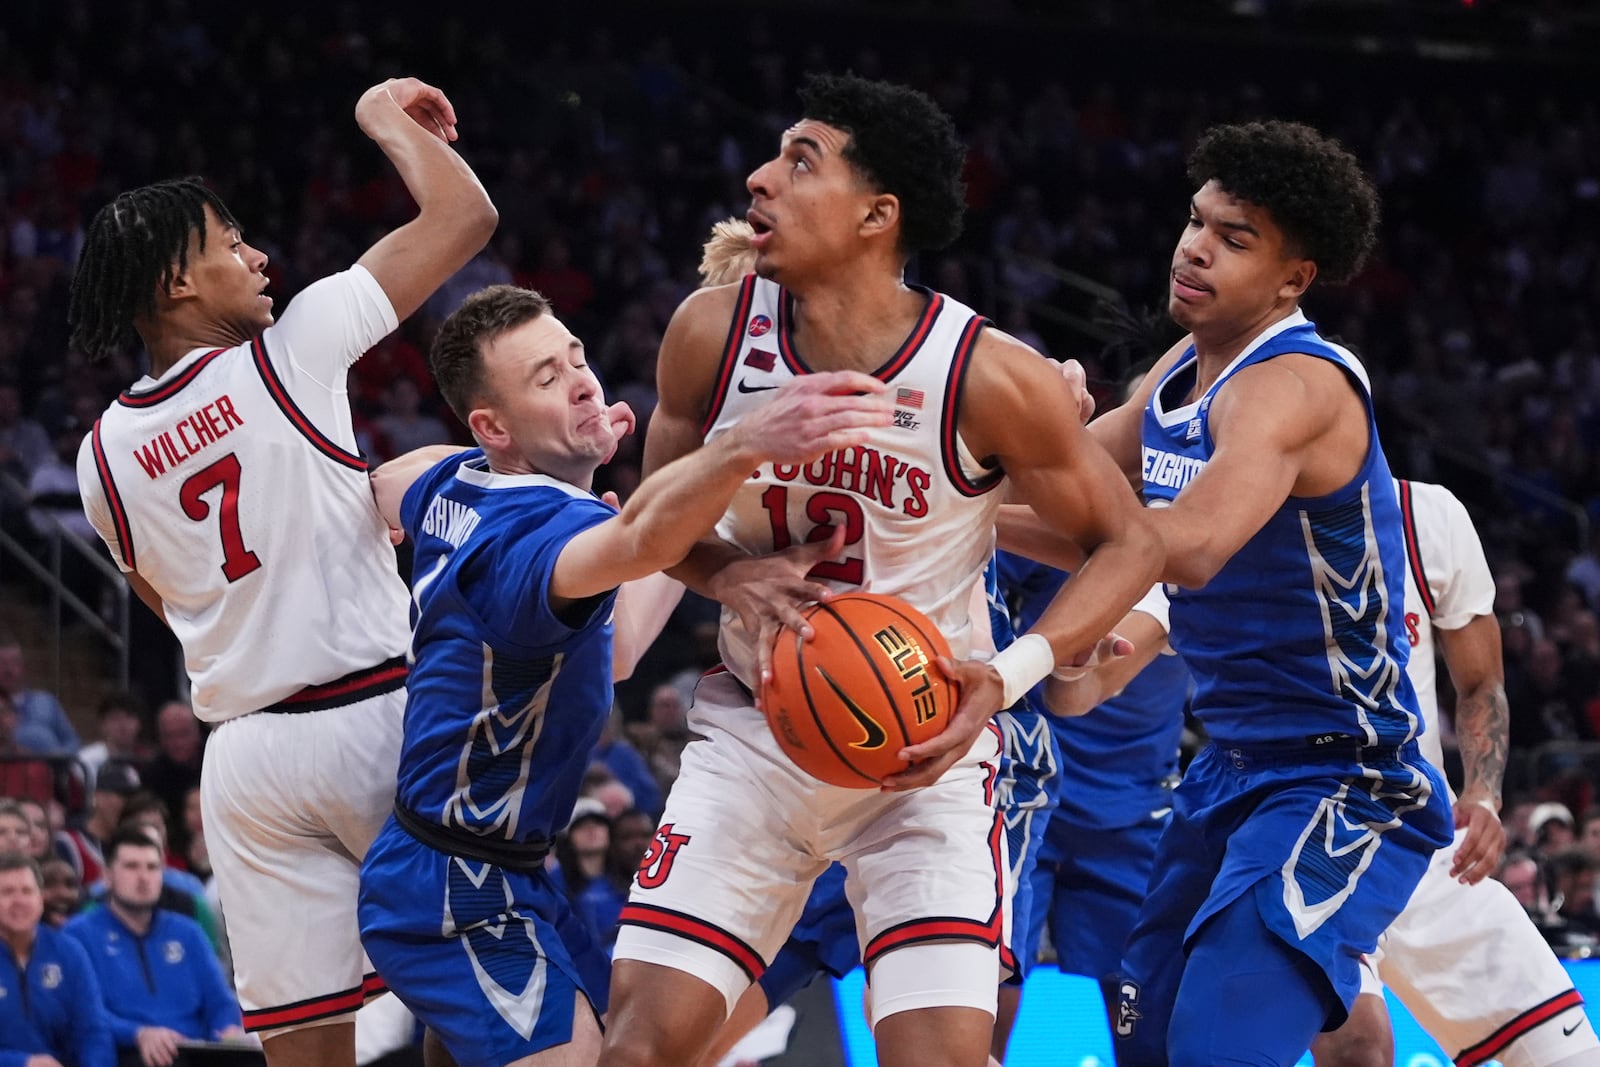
<point x="135" y="246"/>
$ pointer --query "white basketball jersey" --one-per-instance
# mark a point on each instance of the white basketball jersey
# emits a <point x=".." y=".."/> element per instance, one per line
<point x="917" y="509"/>
<point x="232" y="485"/>
<point x="1448" y="584"/>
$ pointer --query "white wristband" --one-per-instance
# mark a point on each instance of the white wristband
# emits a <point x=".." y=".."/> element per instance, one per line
<point x="1154" y="604"/>
<point x="1021" y="666"/>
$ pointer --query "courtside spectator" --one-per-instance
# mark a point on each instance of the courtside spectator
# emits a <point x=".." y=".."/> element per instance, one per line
<point x="41" y="724"/>
<point x="181" y="891"/>
<point x="13" y="827"/>
<point x="63" y="891"/>
<point x="1572" y="875"/>
<point x="1590" y="837"/>
<point x="583" y="851"/>
<point x="120" y="723"/>
<point x="51" y="1014"/>
<point x="1552" y="828"/>
<point x="39" y="835"/>
<point x="23" y="442"/>
<point x="158" y="975"/>
<point x="82" y="847"/>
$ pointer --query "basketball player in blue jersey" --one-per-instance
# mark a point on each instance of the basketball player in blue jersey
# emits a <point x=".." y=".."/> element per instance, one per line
<point x="1116" y="730"/>
<point x="1301" y="831"/>
<point x="516" y="569"/>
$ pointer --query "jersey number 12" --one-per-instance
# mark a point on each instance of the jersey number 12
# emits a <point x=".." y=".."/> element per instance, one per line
<point x="821" y="509"/>
<point x="237" y="560"/>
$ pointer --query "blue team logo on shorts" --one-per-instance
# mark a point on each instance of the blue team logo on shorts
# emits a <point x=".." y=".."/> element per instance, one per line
<point x="1338" y="844"/>
<point x="1127" y="1008"/>
<point x="507" y="959"/>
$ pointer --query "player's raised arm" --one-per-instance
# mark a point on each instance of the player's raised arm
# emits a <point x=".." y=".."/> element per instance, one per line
<point x="678" y="504"/>
<point x="414" y="123"/>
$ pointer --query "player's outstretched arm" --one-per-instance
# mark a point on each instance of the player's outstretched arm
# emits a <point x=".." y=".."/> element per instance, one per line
<point x="414" y="123"/>
<point x="1019" y="411"/>
<point x="1472" y="654"/>
<point x="1019" y="530"/>
<point x="680" y="503"/>
<point x="1146" y="628"/>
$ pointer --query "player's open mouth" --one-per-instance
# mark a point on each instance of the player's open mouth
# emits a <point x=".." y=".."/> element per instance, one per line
<point x="762" y="227"/>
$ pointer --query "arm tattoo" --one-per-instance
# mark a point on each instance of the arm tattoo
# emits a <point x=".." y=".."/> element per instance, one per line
<point x="1483" y="730"/>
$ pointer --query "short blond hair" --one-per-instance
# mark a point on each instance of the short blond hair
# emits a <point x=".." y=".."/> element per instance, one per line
<point x="728" y="254"/>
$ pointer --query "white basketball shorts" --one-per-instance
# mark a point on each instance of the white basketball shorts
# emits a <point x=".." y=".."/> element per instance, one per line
<point x="745" y="833"/>
<point x="291" y="800"/>
<point x="1469" y="964"/>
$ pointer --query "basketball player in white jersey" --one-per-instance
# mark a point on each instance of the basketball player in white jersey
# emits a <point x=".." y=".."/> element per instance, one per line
<point x="227" y="486"/>
<point x="1463" y="956"/>
<point x="870" y="176"/>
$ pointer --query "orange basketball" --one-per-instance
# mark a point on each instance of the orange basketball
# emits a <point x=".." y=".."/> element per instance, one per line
<point x="843" y="704"/>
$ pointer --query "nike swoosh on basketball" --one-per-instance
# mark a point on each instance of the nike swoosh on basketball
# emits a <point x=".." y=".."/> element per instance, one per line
<point x="875" y="735"/>
<point x="747" y="388"/>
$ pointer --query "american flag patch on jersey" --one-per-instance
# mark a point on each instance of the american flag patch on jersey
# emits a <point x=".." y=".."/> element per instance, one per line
<point x="761" y="359"/>
<point x="909" y="398"/>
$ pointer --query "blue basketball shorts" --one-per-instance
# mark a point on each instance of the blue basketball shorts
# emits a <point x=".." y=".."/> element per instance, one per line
<point x="493" y="960"/>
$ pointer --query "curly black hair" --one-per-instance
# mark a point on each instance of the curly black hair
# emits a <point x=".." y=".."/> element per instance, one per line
<point x="136" y="245"/>
<point x="1314" y="188"/>
<point x="901" y="143"/>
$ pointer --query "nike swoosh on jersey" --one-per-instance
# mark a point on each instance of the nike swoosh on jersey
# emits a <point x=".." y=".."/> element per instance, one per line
<point x="875" y="733"/>
<point x="744" y="387"/>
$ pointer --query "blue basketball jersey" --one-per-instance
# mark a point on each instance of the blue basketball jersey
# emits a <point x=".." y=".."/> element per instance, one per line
<point x="1122" y="758"/>
<point x="505" y="699"/>
<point x="1300" y="639"/>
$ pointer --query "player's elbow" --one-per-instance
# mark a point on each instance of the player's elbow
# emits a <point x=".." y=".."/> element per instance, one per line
<point x="476" y="219"/>
<point x="1192" y="568"/>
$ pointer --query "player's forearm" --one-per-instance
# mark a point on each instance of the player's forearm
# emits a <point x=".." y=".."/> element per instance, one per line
<point x="437" y="178"/>
<point x="699" y="568"/>
<point x="1483" y="731"/>
<point x="1113" y="578"/>
<point x="1020" y="531"/>
<point x="391" y="480"/>
<point x="675" y="508"/>
<point x="1193" y="552"/>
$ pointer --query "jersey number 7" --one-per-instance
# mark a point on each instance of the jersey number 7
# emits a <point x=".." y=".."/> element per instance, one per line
<point x="237" y="560"/>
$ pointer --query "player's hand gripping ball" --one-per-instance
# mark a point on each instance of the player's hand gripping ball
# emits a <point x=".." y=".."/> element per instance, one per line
<point x="843" y="704"/>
